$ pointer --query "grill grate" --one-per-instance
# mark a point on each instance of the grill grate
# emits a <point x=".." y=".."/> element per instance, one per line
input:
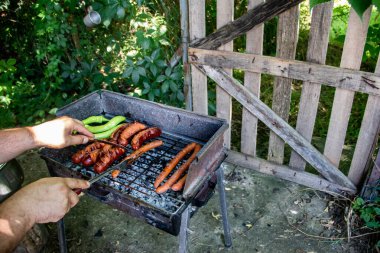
<point x="136" y="180"/>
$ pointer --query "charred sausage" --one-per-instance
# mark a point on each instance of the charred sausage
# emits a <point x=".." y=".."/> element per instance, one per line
<point x="144" y="135"/>
<point x="129" y="131"/>
<point x="171" y="165"/>
<point x="115" y="135"/>
<point x="176" y="175"/>
<point x="91" y="158"/>
<point x="80" y="155"/>
<point x="107" y="158"/>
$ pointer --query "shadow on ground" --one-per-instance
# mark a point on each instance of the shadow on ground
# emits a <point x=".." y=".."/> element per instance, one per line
<point x="266" y="215"/>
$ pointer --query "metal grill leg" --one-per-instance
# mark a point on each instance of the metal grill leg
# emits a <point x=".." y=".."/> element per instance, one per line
<point x="61" y="236"/>
<point x="183" y="230"/>
<point x="223" y="207"/>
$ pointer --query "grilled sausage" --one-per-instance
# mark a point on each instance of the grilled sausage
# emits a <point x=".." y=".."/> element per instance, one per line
<point x="180" y="184"/>
<point x="151" y="145"/>
<point x="176" y="175"/>
<point x="136" y="154"/>
<point x="144" y="135"/>
<point x="129" y="131"/>
<point x="80" y="155"/>
<point x="107" y="158"/>
<point x="115" y="135"/>
<point x="171" y="165"/>
<point x="91" y="158"/>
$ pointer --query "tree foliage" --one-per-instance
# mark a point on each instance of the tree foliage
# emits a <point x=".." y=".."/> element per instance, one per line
<point x="360" y="6"/>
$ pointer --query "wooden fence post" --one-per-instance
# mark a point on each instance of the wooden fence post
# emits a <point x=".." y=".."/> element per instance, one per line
<point x="252" y="81"/>
<point x="316" y="53"/>
<point x="351" y="58"/>
<point x="224" y="15"/>
<point x="197" y="22"/>
<point x="368" y="135"/>
<point x="287" y="37"/>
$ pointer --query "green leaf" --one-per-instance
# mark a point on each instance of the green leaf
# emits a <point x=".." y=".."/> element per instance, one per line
<point x="360" y="6"/>
<point x="161" y="78"/>
<point x="161" y="63"/>
<point x="151" y="96"/>
<point x="141" y="71"/>
<point x="373" y="224"/>
<point x="173" y="86"/>
<point x="127" y="72"/>
<point x="53" y="111"/>
<point x="146" y="85"/>
<point x="145" y="43"/>
<point x="153" y="69"/>
<point x="168" y="71"/>
<point x="377" y="4"/>
<point x="145" y="91"/>
<point x="175" y="76"/>
<point x="156" y="53"/>
<point x="180" y="96"/>
<point x="165" y="86"/>
<point x="135" y="76"/>
<point x="11" y="62"/>
<point x="65" y="74"/>
<point x="366" y="217"/>
<point x="316" y="2"/>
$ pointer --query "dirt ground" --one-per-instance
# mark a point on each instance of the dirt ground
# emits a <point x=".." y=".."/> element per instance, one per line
<point x="265" y="214"/>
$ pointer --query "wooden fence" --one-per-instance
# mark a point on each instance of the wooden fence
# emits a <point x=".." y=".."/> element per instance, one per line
<point x="347" y="79"/>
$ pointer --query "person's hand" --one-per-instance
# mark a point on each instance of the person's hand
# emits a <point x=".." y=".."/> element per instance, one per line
<point x="58" y="133"/>
<point x="48" y="199"/>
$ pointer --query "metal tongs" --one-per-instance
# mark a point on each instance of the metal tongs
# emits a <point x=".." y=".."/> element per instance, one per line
<point x="110" y="143"/>
<point x="126" y="161"/>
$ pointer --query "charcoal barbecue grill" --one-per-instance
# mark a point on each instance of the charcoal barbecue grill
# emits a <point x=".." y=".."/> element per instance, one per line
<point x="132" y="191"/>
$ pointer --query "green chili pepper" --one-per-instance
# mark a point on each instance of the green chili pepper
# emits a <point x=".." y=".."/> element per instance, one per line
<point x="110" y="124"/>
<point x="95" y="119"/>
<point x="106" y="134"/>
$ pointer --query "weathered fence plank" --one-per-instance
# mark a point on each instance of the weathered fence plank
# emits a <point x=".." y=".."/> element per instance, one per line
<point x="224" y="15"/>
<point x="277" y="125"/>
<point x="316" y="52"/>
<point x="368" y="135"/>
<point x="349" y="79"/>
<point x="252" y="81"/>
<point x="284" y="172"/>
<point x="351" y="58"/>
<point x="375" y="173"/>
<point x="243" y="24"/>
<point x="287" y="38"/>
<point x="197" y="21"/>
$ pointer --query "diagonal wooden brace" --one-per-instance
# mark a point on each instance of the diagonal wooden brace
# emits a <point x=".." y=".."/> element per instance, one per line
<point x="277" y="125"/>
<point x="261" y="13"/>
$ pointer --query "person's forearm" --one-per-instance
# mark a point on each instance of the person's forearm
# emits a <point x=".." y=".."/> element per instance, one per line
<point x="14" y="224"/>
<point x="14" y="142"/>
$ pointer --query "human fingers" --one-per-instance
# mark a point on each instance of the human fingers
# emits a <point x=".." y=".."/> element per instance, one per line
<point x="74" y="183"/>
<point x="79" y="127"/>
<point x="73" y="199"/>
<point x="76" y="139"/>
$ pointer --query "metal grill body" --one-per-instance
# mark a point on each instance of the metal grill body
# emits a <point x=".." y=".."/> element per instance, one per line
<point x="132" y="191"/>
